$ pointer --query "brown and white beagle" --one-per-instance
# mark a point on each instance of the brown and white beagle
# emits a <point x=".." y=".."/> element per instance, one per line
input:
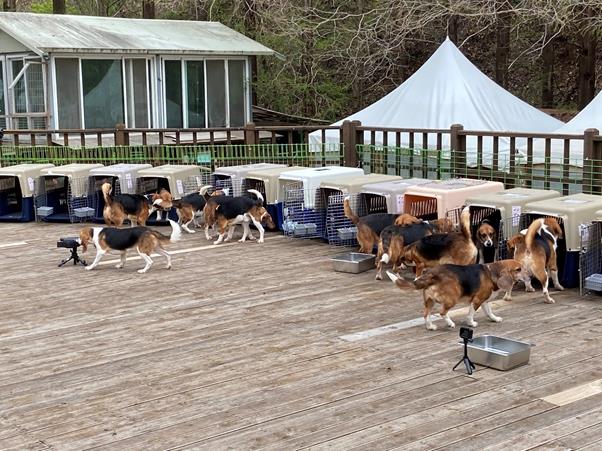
<point x="448" y="285"/>
<point x="536" y="251"/>
<point x="436" y="249"/>
<point x="120" y="207"/>
<point x="144" y="240"/>
<point x="486" y="238"/>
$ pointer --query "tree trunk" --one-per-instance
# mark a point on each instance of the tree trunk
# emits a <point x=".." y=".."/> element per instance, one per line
<point x="9" y="5"/>
<point x="148" y="9"/>
<point x="547" y="75"/>
<point x="502" y="47"/>
<point x="587" y="69"/>
<point x="452" y="29"/>
<point x="58" y="6"/>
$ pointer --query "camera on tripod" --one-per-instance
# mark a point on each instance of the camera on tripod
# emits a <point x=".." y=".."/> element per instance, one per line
<point x="70" y="243"/>
<point x="466" y="335"/>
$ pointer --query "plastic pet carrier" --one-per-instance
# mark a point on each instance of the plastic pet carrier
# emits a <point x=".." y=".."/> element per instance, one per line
<point x="62" y="193"/>
<point x="304" y="211"/>
<point x="439" y="199"/>
<point x="340" y="231"/>
<point x="387" y="197"/>
<point x="266" y="181"/>
<point x="573" y="213"/>
<point x="17" y="191"/>
<point x="503" y="211"/>
<point x="234" y="176"/>
<point x="123" y="179"/>
<point x="179" y="180"/>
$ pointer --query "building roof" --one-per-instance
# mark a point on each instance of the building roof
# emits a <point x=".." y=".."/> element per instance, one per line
<point x="48" y="33"/>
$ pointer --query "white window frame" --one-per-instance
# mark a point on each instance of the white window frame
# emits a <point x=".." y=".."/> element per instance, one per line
<point x="184" y="81"/>
<point x="150" y="73"/>
<point x="11" y="80"/>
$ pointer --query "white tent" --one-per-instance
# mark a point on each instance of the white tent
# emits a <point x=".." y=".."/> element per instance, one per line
<point x="448" y="89"/>
<point x="588" y="117"/>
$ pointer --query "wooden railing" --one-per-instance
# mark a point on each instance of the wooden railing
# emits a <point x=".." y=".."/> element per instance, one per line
<point x="507" y="156"/>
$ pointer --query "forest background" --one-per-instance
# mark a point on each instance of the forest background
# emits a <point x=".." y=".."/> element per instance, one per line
<point x="340" y="56"/>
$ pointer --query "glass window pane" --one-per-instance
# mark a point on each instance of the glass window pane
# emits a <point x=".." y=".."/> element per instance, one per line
<point x="67" y="93"/>
<point x="216" y="93"/>
<point x="236" y="93"/>
<point x="195" y="89"/>
<point x="35" y="89"/>
<point x="135" y="70"/>
<point x="19" y="88"/>
<point x="173" y="93"/>
<point x="102" y="84"/>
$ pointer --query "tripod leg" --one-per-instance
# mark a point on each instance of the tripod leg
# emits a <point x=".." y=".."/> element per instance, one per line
<point x="469" y="366"/>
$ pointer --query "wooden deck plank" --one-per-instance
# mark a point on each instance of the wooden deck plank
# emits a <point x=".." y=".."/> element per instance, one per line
<point x="239" y="346"/>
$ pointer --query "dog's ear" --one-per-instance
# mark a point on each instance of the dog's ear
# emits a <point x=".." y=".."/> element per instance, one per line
<point x="85" y="235"/>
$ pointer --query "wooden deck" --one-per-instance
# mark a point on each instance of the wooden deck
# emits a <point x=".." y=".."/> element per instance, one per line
<point x="238" y="347"/>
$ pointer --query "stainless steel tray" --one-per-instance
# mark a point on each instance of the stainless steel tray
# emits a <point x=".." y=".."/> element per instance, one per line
<point x="499" y="353"/>
<point x="353" y="262"/>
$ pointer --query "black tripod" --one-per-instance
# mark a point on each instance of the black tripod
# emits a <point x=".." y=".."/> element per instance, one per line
<point x="70" y="243"/>
<point x="75" y="257"/>
<point x="466" y="335"/>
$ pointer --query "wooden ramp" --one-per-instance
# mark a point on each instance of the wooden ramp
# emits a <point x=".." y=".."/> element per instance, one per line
<point x="239" y="347"/>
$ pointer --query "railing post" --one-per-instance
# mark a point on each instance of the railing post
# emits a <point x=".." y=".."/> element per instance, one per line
<point x="349" y="132"/>
<point x="250" y="134"/>
<point x="592" y="155"/>
<point x="458" y="150"/>
<point x="121" y="136"/>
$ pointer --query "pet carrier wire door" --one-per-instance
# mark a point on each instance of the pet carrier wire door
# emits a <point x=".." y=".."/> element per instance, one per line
<point x="503" y="211"/>
<point x="266" y="182"/>
<point x="234" y="176"/>
<point x="571" y="212"/>
<point x="62" y="193"/>
<point x="433" y="200"/>
<point x="123" y="179"/>
<point x="304" y="211"/>
<point x="179" y="180"/>
<point x="339" y="229"/>
<point x="590" y="258"/>
<point x="387" y="197"/>
<point x="17" y="191"/>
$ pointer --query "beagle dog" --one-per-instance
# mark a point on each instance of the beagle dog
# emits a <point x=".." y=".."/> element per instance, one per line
<point x="449" y="284"/>
<point x="370" y="226"/>
<point x="161" y="202"/>
<point x="144" y="240"/>
<point x="486" y="240"/>
<point x="241" y="210"/>
<point x="432" y="250"/>
<point x="536" y="251"/>
<point x="394" y="239"/>
<point x="189" y="207"/>
<point x="120" y="207"/>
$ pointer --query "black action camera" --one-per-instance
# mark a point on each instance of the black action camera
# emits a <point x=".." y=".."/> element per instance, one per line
<point x="69" y="243"/>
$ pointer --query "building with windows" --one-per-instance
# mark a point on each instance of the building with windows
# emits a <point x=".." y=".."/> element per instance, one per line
<point x="83" y="72"/>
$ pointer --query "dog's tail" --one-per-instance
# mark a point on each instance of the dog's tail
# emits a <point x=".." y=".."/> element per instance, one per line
<point x="465" y="223"/>
<point x="533" y="230"/>
<point x="258" y="194"/>
<point x="176" y="233"/>
<point x="426" y="279"/>
<point x="349" y="212"/>
<point x="204" y="191"/>
<point x="106" y="193"/>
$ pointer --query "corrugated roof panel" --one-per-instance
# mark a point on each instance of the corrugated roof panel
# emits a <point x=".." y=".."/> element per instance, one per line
<point x="46" y="33"/>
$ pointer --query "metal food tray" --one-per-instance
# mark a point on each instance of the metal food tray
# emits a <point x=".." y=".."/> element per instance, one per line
<point x="353" y="262"/>
<point x="499" y="353"/>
